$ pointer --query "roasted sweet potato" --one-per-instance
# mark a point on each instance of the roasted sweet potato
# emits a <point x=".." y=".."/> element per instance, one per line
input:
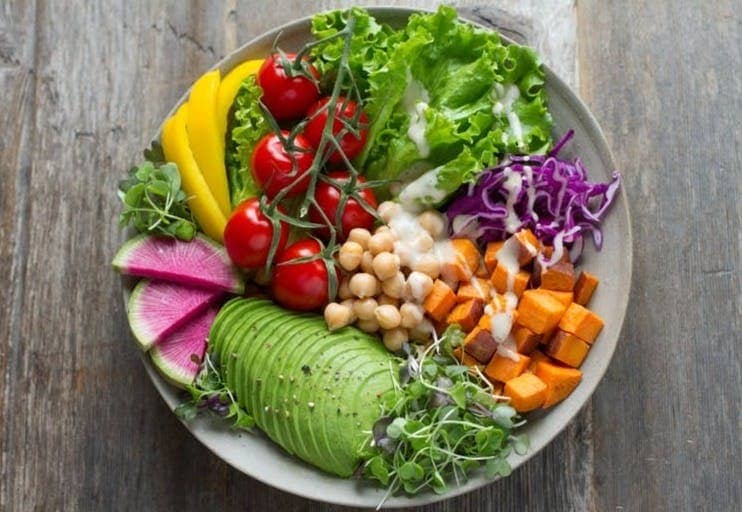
<point x="526" y="340"/>
<point x="528" y="246"/>
<point x="526" y="391"/>
<point x="500" y="279"/>
<point x="567" y="348"/>
<point x="539" y="311"/>
<point x="560" y="381"/>
<point x="465" y="358"/>
<point x="536" y="357"/>
<point x="502" y="369"/>
<point x="467" y="260"/>
<point x="475" y="289"/>
<point x="581" y="322"/>
<point x="440" y="301"/>
<point x="559" y="277"/>
<point x="584" y="288"/>
<point x="490" y="255"/>
<point x="564" y="297"/>
<point x="466" y="314"/>
<point x="482" y="272"/>
<point x="480" y="344"/>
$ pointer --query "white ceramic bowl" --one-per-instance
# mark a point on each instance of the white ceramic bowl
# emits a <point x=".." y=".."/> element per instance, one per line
<point x="256" y="456"/>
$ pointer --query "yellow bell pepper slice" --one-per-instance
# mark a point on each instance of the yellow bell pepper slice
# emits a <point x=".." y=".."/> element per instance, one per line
<point x="229" y="87"/>
<point x="206" y="139"/>
<point x="200" y="199"/>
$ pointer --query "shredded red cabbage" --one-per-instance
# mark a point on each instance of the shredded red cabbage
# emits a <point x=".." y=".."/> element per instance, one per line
<point x="549" y="195"/>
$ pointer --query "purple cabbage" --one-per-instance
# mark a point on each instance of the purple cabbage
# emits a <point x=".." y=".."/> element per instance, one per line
<point x="549" y="195"/>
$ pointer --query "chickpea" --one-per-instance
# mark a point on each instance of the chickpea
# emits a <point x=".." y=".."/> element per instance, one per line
<point x="385" y="265"/>
<point x="364" y="285"/>
<point x="423" y="242"/>
<point x="395" y="286"/>
<point x="394" y="339"/>
<point x="420" y="285"/>
<point x="359" y="236"/>
<point x="350" y="304"/>
<point x="423" y="331"/>
<point x="344" y="289"/>
<point x="433" y="223"/>
<point x="364" y="308"/>
<point x="382" y="229"/>
<point x="385" y="300"/>
<point x="367" y="261"/>
<point x="350" y="255"/>
<point x="412" y="315"/>
<point x="369" y="326"/>
<point x="388" y="316"/>
<point x="381" y="242"/>
<point x="337" y="315"/>
<point x="388" y="210"/>
<point x="404" y="253"/>
<point x="427" y="264"/>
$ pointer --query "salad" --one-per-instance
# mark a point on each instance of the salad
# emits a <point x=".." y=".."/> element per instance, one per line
<point x="368" y="249"/>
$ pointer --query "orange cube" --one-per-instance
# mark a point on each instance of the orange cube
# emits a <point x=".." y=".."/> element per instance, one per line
<point x="559" y="277"/>
<point x="497" y="389"/>
<point x="490" y="255"/>
<point x="475" y="289"/>
<point x="440" y="301"/>
<point x="584" y="288"/>
<point x="502" y="368"/>
<point x="466" y="314"/>
<point x="485" y="322"/>
<point x="536" y="357"/>
<point x="526" y="340"/>
<point x="501" y="276"/>
<point x="480" y="344"/>
<point x="528" y="246"/>
<point x="466" y="263"/>
<point x="527" y="392"/>
<point x="539" y="311"/>
<point x="560" y="381"/>
<point x="581" y="322"/>
<point x="465" y="358"/>
<point x="568" y="349"/>
<point x="563" y="297"/>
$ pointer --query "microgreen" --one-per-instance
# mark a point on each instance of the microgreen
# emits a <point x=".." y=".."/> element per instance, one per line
<point x="439" y="424"/>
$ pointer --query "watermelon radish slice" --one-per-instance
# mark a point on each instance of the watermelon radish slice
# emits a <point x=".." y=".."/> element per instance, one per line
<point x="200" y="262"/>
<point x="158" y="308"/>
<point x="177" y="357"/>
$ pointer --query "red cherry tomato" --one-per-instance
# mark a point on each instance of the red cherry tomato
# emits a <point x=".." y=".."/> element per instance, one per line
<point x="286" y="97"/>
<point x="274" y="169"/>
<point x="301" y="286"/>
<point x="248" y="235"/>
<point x="328" y="198"/>
<point x="345" y="109"/>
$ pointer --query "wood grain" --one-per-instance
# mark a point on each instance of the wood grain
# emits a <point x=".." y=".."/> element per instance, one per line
<point x="86" y="83"/>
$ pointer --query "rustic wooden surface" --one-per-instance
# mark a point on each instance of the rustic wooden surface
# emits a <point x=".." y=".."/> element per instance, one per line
<point x="84" y="84"/>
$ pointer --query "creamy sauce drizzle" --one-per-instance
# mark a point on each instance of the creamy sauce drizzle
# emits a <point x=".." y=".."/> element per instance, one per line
<point x="505" y="97"/>
<point x="422" y="191"/>
<point x="415" y="103"/>
<point x="502" y="319"/>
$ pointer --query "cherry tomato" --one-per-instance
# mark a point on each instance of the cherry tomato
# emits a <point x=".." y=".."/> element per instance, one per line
<point x="274" y="169"/>
<point x="345" y="109"/>
<point x="248" y="235"/>
<point x="301" y="286"/>
<point x="286" y="97"/>
<point x="328" y="198"/>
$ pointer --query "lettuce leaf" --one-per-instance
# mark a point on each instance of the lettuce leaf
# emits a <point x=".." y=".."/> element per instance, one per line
<point x="435" y="186"/>
<point x="246" y="127"/>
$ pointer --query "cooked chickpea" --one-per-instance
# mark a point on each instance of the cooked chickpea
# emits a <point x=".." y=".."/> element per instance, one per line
<point x="423" y="242"/>
<point x="367" y="261"/>
<point x="385" y="300"/>
<point x="412" y="315"/>
<point x="433" y="223"/>
<point x="385" y="265"/>
<point x="395" y="286"/>
<point x="388" y="210"/>
<point x="344" y="289"/>
<point x="381" y="242"/>
<point x="394" y="339"/>
<point x="420" y="285"/>
<point x="364" y="308"/>
<point x="350" y="303"/>
<point x="404" y="253"/>
<point x="364" y="285"/>
<point x="427" y="264"/>
<point x="388" y="316"/>
<point x="359" y="236"/>
<point x="369" y="326"/>
<point x="423" y="331"/>
<point x="350" y="255"/>
<point x="337" y="315"/>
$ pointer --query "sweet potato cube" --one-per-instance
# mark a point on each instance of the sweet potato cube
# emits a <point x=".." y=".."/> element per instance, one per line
<point x="502" y="368"/>
<point x="465" y="358"/>
<point x="440" y="301"/>
<point x="490" y="255"/>
<point x="485" y="322"/>
<point x="501" y="280"/>
<point x="581" y="322"/>
<point x="560" y="381"/>
<point x="528" y="246"/>
<point x="536" y="357"/>
<point x="466" y="314"/>
<point x="559" y="277"/>
<point x="480" y="344"/>
<point x="584" y="288"/>
<point x="475" y="289"/>
<point x="527" y="392"/>
<point x="497" y="389"/>
<point x="563" y="297"/>
<point x="482" y="272"/>
<point x="567" y="348"/>
<point x="466" y="262"/>
<point x="526" y="340"/>
<point x="539" y="311"/>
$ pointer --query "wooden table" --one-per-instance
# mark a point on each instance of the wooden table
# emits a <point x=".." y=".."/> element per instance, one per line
<point x="85" y="84"/>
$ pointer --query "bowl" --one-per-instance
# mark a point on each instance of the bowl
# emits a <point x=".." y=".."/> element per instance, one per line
<point x="256" y="456"/>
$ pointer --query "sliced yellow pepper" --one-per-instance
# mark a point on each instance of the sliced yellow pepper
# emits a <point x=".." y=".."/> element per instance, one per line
<point x="206" y="139"/>
<point x="200" y="199"/>
<point x="229" y="87"/>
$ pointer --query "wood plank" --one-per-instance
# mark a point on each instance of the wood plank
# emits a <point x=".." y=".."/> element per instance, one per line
<point x="664" y="80"/>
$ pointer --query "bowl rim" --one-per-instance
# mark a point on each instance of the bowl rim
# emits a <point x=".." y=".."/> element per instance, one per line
<point x="578" y="107"/>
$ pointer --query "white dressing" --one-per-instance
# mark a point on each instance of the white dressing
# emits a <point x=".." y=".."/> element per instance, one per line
<point x="422" y="191"/>
<point x="415" y="102"/>
<point x="505" y="97"/>
<point x="501" y="320"/>
<point x="513" y="184"/>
